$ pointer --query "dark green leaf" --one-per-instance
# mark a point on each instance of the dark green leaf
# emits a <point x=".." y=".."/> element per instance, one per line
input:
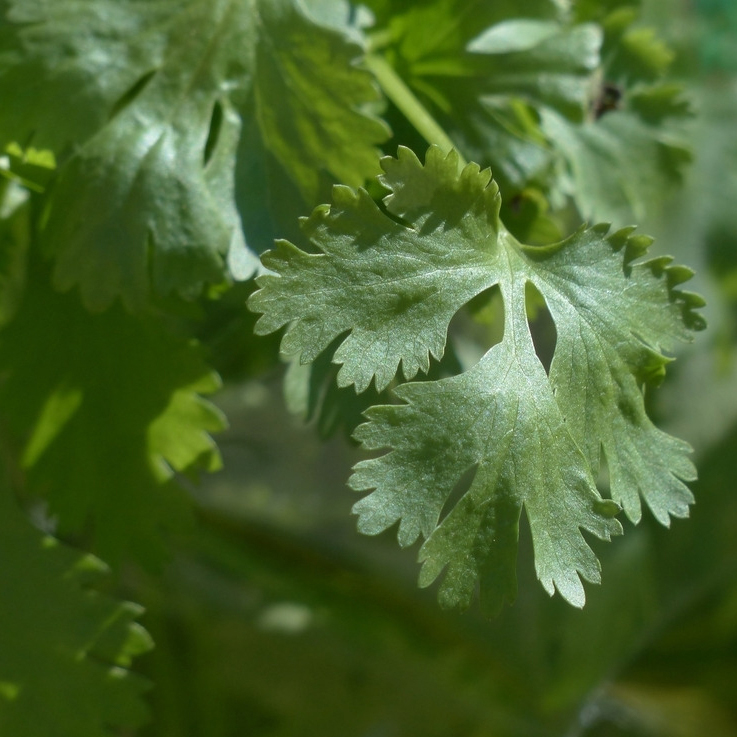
<point x="65" y="650"/>
<point x="149" y="100"/>
<point x="106" y="410"/>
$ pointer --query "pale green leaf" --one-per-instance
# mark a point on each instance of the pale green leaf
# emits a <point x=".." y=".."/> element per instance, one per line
<point x="513" y="35"/>
<point x="388" y="289"/>
<point x="615" y="163"/>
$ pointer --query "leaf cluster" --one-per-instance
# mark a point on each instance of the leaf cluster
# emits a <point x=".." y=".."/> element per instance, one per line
<point x="150" y="154"/>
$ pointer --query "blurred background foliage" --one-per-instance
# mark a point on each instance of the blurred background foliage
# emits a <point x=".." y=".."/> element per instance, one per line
<point x="277" y="619"/>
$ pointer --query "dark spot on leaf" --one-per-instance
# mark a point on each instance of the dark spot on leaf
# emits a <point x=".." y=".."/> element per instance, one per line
<point x="459" y="490"/>
<point x="608" y="99"/>
<point x="216" y="123"/>
<point x="131" y="94"/>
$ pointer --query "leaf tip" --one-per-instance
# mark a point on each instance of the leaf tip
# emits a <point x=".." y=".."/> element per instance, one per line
<point x="607" y="508"/>
<point x="570" y="587"/>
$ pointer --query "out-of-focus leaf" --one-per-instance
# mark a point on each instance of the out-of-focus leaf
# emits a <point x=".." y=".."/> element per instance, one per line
<point x="616" y="163"/>
<point x="106" y="409"/>
<point x="526" y="82"/>
<point x="64" y="650"/>
<point x="14" y="239"/>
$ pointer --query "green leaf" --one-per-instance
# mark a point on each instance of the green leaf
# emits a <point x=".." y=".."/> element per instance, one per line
<point x="145" y="102"/>
<point x="550" y="69"/>
<point x="345" y="288"/>
<point x="390" y="284"/>
<point x="617" y="165"/>
<point x="511" y="84"/>
<point x="632" y="149"/>
<point x="496" y="62"/>
<point x="30" y="167"/>
<point x="498" y="74"/>
<point x="65" y="649"/>
<point x="105" y="410"/>
<point x="514" y="35"/>
<point x="548" y="101"/>
<point x="309" y="94"/>
<point x="14" y="237"/>
<point x="421" y="29"/>
<point x="631" y="53"/>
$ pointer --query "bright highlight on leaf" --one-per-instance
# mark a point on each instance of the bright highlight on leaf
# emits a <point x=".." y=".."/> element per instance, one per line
<point x="390" y="282"/>
<point x="154" y="100"/>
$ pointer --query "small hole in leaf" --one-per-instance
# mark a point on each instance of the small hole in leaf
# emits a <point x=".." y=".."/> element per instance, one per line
<point x="542" y="327"/>
<point x="602" y="477"/>
<point x="459" y="490"/>
<point x="131" y="94"/>
<point x="216" y="123"/>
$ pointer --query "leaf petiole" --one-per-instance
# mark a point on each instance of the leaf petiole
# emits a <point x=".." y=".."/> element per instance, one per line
<point x="416" y="113"/>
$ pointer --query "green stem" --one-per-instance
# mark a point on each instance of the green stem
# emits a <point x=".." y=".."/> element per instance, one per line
<point x="379" y="39"/>
<point x="415" y="112"/>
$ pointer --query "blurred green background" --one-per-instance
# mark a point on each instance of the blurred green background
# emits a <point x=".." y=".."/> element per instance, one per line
<point x="276" y="618"/>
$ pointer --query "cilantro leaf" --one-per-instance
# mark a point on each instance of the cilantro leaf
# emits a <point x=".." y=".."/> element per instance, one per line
<point x="388" y="283"/>
<point x="616" y="163"/>
<point x="145" y="107"/>
<point x="397" y="310"/>
<point x="499" y="72"/>
<point x="70" y="675"/>
<point x="502" y="418"/>
<point x="570" y="104"/>
<point x="423" y="30"/>
<point x="106" y="408"/>
<point x="313" y="100"/>
<point x="631" y="149"/>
